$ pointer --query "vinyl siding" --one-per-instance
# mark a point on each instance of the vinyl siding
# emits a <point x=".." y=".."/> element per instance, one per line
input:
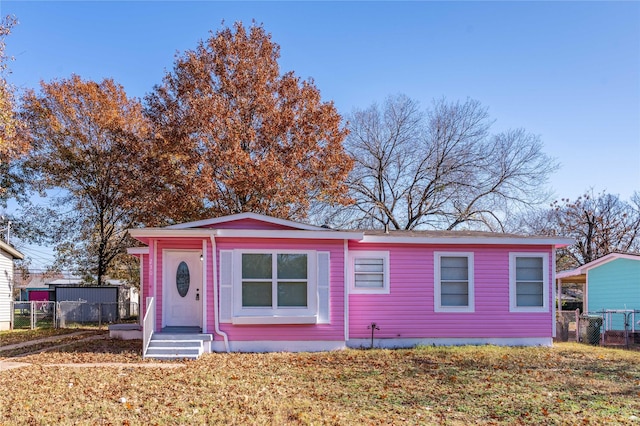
<point x="614" y="285"/>
<point x="6" y="282"/>
<point x="408" y="310"/>
<point x="334" y="331"/>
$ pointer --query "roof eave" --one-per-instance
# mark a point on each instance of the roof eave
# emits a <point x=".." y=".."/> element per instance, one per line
<point x="11" y="251"/>
<point x="557" y="242"/>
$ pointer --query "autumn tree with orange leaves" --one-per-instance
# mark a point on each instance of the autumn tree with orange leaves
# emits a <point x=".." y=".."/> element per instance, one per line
<point x="239" y="136"/>
<point x="88" y="143"/>
<point x="12" y="145"/>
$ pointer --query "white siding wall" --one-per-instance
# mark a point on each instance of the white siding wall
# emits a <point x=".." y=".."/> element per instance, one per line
<point x="6" y="286"/>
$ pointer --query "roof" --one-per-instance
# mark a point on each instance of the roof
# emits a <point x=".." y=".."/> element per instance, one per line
<point x="460" y="237"/>
<point x="15" y="254"/>
<point x="240" y="216"/>
<point x="295" y="230"/>
<point x="582" y="270"/>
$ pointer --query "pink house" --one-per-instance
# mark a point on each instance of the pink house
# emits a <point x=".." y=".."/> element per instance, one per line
<point x="249" y="282"/>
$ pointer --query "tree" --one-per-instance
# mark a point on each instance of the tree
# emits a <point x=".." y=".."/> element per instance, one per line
<point x="237" y="136"/>
<point x="600" y="224"/>
<point x="88" y="143"/>
<point x="440" y="168"/>
<point x="12" y="145"/>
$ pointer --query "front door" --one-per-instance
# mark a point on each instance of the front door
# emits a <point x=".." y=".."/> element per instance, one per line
<point x="182" y="288"/>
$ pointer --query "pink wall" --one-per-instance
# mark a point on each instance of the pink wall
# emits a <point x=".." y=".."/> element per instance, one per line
<point x="408" y="311"/>
<point x="328" y="332"/>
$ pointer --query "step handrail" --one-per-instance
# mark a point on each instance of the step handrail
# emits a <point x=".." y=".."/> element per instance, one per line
<point x="148" y="325"/>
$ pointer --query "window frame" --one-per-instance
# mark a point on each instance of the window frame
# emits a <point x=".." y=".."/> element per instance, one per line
<point x="437" y="282"/>
<point x="513" y="296"/>
<point x="274" y="313"/>
<point x="369" y="254"/>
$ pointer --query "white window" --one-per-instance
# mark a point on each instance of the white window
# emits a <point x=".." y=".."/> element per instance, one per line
<point x="274" y="287"/>
<point x="529" y="282"/>
<point x="453" y="282"/>
<point x="369" y="272"/>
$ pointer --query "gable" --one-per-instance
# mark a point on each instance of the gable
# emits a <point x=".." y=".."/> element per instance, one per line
<point x="616" y="273"/>
<point x="249" y="224"/>
<point x="247" y="221"/>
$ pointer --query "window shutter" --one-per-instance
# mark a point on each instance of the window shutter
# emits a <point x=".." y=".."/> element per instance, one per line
<point x="323" y="287"/>
<point x="226" y="285"/>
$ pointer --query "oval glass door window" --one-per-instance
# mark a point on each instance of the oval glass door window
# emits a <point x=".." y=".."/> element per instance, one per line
<point x="183" y="279"/>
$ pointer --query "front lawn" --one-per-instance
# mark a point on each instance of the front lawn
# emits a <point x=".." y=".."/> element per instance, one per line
<point x="10" y="337"/>
<point x="566" y="384"/>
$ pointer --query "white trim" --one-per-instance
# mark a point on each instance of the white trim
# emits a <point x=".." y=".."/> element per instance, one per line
<point x="437" y="282"/>
<point x="323" y="287"/>
<point x="280" y="346"/>
<point x="242" y="216"/>
<point x="527" y="241"/>
<point x="345" y="285"/>
<point x="170" y="233"/>
<point x="512" y="282"/>
<point x="11" y="251"/>
<point x="216" y="305"/>
<point x="375" y="254"/>
<point x="553" y="293"/>
<point x="153" y="273"/>
<point x="137" y="250"/>
<point x="450" y="341"/>
<point x="295" y="234"/>
<point x="582" y="270"/>
<point x="166" y="279"/>
<point x="293" y="313"/>
<point x="141" y="294"/>
<point x="203" y="263"/>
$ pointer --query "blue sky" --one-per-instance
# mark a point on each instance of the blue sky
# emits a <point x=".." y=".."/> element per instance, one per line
<point x="567" y="71"/>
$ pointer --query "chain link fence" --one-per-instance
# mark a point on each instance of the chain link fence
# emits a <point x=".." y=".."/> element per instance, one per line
<point x="590" y="329"/>
<point x="42" y="314"/>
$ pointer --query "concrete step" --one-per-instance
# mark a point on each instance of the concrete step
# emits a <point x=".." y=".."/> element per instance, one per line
<point x="182" y="336"/>
<point x="175" y="343"/>
<point x="168" y="350"/>
<point x="172" y="356"/>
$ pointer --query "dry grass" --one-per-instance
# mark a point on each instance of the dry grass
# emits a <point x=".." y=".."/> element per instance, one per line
<point x="11" y="337"/>
<point x="566" y="384"/>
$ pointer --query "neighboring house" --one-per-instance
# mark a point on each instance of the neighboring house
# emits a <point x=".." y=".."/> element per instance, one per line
<point x="256" y="283"/>
<point x="7" y="255"/>
<point x="612" y="283"/>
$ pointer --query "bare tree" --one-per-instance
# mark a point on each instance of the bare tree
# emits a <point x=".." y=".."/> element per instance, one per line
<point x="440" y="168"/>
<point x="600" y="224"/>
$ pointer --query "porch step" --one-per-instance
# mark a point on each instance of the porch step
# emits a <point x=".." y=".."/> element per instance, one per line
<point x="177" y="345"/>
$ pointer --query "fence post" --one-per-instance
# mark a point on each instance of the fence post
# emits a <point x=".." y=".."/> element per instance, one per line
<point x="578" y="325"/>
<point x="32" y="319"/>
<point x="99" y="315"/>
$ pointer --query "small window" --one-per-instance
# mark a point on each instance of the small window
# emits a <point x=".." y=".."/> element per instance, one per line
<point x="370" y="272"/>
<point x="529" y="282"/>
<point x="453" y="282"/>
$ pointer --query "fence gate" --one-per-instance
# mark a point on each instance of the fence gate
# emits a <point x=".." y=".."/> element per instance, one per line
<point x="33" y="314"/>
